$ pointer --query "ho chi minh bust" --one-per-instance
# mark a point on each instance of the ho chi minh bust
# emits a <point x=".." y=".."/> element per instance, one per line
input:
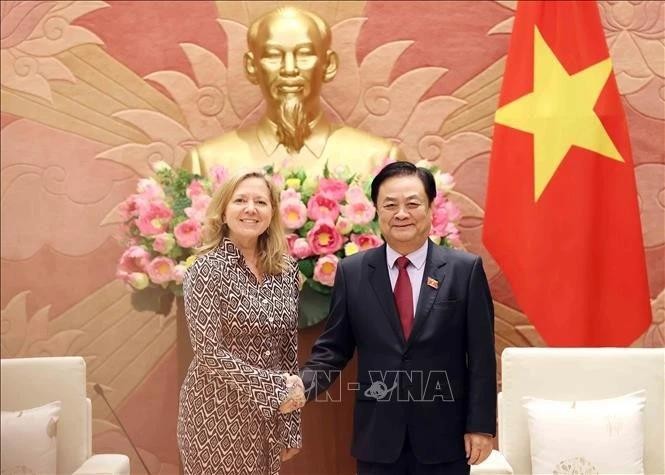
<point x="290" y="58"/>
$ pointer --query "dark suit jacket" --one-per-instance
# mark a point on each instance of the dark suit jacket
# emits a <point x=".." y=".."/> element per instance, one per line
<point x="439" y="384"/>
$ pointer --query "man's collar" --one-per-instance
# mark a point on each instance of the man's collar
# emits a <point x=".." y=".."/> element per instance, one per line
<point x="417" y="257"/>
<point x="315" y="142"/>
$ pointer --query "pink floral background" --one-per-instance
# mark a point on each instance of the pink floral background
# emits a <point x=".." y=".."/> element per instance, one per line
<point x="94" y="92"/>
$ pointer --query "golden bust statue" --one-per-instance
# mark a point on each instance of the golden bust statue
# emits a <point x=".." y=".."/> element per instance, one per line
<point x="290" y="58"/>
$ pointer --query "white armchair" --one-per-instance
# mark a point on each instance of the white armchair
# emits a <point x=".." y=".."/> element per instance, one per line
<point x="31" y="382"/>
<point x="575" y="374"/>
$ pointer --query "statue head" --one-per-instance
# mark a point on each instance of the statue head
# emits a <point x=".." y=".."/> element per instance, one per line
<point x="290" y="58"/>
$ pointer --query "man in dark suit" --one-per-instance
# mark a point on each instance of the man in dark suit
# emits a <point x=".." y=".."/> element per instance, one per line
<point x="422" y="320"/>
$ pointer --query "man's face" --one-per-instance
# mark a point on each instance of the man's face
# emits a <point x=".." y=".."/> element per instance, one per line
<point x="405" y="215"/>
<point x="290" y="60"/>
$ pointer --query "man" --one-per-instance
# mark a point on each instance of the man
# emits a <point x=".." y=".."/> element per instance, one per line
<point x="421" y="318"/>
<point x="290" y="58"/>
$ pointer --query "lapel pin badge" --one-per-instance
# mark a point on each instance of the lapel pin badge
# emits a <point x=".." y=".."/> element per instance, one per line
<point x="432" y="283"/>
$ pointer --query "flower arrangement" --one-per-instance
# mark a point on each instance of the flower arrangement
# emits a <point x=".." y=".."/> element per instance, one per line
<point x="327" y="218"/>
<point x="162" y="223"/>
<point x="331" y="217"/>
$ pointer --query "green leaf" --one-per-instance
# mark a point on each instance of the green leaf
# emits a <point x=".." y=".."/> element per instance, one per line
<point x="358" y="229"/>
<point x="306" y="266"/>
<point x="307" y="227"/>
<point x="176" y="253"/>
<point x="320" y="288"/>
<point x="176" y="289"/>
<point x="312" y="307"/>
<point x="180" y="203"/>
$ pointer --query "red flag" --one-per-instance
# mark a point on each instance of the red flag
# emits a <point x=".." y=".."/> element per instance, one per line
<point x="561" y="216"/>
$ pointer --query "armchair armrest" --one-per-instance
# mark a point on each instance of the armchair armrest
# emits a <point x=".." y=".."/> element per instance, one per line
<point x="496" y="464"/>
<point x="106" y="464"/>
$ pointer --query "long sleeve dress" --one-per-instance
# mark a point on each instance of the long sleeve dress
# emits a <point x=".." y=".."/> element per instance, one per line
<point x="244" y="336"/>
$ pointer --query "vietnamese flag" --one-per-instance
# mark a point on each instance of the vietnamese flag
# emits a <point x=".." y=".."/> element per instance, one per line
<point x="562" y="216"/>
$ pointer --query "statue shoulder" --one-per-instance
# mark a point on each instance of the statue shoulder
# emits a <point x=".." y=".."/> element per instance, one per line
<point x="230" y="149"/>
<point x="365" y="143"/>
<point x="346" y="132"/>
<point x="230" y="141"/>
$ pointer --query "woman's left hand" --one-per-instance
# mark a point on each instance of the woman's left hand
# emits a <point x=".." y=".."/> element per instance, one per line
<point x="289" y="453"/>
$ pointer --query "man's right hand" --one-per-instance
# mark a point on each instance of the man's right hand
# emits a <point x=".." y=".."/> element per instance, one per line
<point x="296" y="398"/>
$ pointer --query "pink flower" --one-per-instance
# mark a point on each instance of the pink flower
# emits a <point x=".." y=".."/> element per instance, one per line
<point x="293" y="213"/>
<point x="323" y="238"/>
<point x="160" y="270"/>
<point x="439" y="221"/>
<point x="218" y="175"/>
<point x="366" y="241"/>
<point x="199" y="207"/>
<point x="386" y="161"/>
<point x="451" y="229"/>
<point x="134" y="259"/>
<point x="290" y="239"/>
<point x="131" y="206"/>
<point x="333" y="188"/>
<point x="449" y="232"/>
<point x="354" y="194"/>
<point x="154" y="218"/>
<point x="288" y="194"/>
<point x="443" y="213"/>
<point x="454" y="214"/>
<point x="343" y="225"/>
<point x="325" y="268"/>
<point x="301" y="249"/>
<point x="163" y="243"/>
<point x="278" y="180"/>
<point x="359" y="212"/>
<point x="188" y="233"/>
<point x="322" y="207"/>
<point x="179" y="273"/>
<point x="150" y="189"/>
<point x="195" y="188"/>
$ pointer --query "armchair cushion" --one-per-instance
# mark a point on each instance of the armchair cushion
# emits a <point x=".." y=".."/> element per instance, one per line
<point x="495" y="464"/>
<point x="593" y="436"/>
<point x="106" y="464"/>
<point x="29" y="439"/>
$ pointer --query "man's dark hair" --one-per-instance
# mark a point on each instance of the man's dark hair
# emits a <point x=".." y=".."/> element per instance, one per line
<point x="404" y="169"/>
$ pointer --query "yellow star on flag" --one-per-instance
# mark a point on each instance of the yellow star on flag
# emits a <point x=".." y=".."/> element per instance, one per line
<point x="559" y="112"/>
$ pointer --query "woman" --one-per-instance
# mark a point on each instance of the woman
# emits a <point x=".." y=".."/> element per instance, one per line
<point x="241" y="298"/>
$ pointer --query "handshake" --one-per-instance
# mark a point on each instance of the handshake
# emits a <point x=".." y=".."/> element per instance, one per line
<point x="296" y="396"/>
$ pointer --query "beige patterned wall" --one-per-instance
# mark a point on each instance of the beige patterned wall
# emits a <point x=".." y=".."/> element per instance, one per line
<point x="93" y="92"/>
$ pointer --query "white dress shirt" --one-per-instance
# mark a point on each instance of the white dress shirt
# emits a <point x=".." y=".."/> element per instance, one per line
<point x="415" y="269"/>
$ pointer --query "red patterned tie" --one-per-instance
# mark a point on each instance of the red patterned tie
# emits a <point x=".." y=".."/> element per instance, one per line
<point x="404" y="296"/>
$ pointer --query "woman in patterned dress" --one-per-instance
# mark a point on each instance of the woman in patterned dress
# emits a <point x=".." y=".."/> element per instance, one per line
<point x="241" y="297"/>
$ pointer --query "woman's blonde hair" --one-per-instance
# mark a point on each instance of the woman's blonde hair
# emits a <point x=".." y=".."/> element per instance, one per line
<point x="271" y="244"/>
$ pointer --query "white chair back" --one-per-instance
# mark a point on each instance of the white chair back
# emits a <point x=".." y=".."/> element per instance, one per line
<point x="580" y="373"/>
<point x="32" y="382"/>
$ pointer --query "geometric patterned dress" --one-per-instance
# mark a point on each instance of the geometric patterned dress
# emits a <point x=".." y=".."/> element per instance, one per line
<point x="244" y="336"/>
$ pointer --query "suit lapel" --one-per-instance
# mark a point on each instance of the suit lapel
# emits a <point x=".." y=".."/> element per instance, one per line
<point x="380" y="282"/>
<point x="434" y="268"/>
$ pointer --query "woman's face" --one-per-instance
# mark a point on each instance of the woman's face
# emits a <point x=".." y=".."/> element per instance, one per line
<point x="249" y="212"/>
